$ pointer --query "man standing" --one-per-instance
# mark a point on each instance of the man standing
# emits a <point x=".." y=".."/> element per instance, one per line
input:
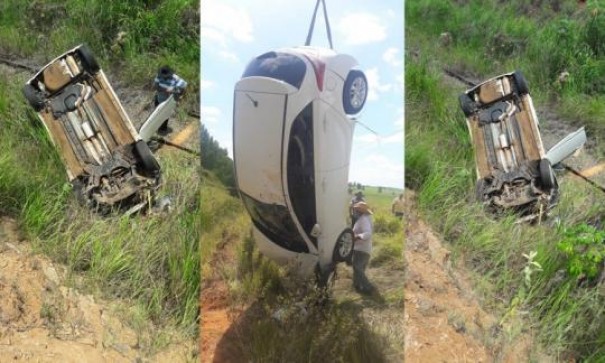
<point x="356" y="199"/>
<point x="362" y="248"/>
<point x="167" y="83"/>
<point x="397" y="206"/>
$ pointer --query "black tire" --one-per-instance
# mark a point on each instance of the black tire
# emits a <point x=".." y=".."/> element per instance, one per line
<point x="467" y="105"/>
<point x="343" y="249"/>
<point x="521" y="83"/>
<point x="547" y="176"/>
<point x="325" y="278"/>
<point x="34" y="97"/>
<point x="148" y="161"/>
<point x="89" y="62"/>
<point x="354" y="92"/>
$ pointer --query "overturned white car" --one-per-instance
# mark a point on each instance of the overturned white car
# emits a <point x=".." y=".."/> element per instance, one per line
<point x="513" y="170"/>
<point x="292" y="135"/>
<point x="108" y="163"/>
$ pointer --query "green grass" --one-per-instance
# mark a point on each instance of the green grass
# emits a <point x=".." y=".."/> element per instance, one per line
<point x="156" y="33"/>
<point x="568" y="316"/>
<point x="259" y="289"/>
<point x="149" y="262"/>
<point x="493" y="37"/>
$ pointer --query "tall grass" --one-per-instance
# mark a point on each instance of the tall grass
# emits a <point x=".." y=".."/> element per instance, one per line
<point x="567" y="315"/>
<point x="155" y="33"/>
<point x="493" y="37"/>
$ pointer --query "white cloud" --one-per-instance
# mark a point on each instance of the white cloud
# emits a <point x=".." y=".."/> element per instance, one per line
<point x="211" y="35"/>
<point x="393" y="138"/>
<point x="206" y="84"/>
<point x="230" y="56"/>
<point x="361" y="28"/>
<point x="391" y="57"/>
<point x="377" y="169"/>
<point x="399" y="79"/>
<point x="210" y="114"/>
<point x="375" y="87"/>
<point x="399" y="121"/>
<point x="220" y="19"/>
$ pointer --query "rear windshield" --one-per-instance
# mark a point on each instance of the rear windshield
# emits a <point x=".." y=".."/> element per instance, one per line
<point x="275" y="222"/>
<point x="284" y="67"/>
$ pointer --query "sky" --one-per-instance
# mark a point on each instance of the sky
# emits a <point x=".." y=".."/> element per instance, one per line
<point x="235" y="31"/>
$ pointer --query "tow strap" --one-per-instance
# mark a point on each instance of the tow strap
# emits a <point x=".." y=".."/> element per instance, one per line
<point x="312" y="26"/>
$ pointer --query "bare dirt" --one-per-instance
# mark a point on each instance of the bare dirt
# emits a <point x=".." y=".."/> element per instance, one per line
<point x="444" y="320"/>
<point x="43" y="320"/>
<point x="217" y="315"/>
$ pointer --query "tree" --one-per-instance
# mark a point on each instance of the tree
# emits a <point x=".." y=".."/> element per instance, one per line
<point x="216" y="159"/>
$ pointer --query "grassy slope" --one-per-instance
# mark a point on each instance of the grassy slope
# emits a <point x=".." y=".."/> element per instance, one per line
<point x="493" y="37"/>
<point x="156" y="33"/>
<point x="258" y="288"/>
<point x="567" y="316"/>
<point x="151" y="260"/>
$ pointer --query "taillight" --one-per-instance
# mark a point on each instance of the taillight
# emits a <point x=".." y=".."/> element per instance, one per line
<point x="320" y="69"/>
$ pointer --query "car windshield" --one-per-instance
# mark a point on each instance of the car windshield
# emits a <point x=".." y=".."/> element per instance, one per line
<point x="275" y="222"/>
<point x="285" y="67"/>
<point x="301" y="170"/>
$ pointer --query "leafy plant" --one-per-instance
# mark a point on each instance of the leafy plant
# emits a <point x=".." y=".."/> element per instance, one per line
<point x="584" y="248"/>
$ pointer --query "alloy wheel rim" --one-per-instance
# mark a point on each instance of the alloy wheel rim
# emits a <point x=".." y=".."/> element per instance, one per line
<point x="346" y="243"/>
<point x="358" y="92"/>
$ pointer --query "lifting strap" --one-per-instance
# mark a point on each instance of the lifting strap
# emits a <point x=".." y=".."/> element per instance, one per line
<point x="310" y="34"/>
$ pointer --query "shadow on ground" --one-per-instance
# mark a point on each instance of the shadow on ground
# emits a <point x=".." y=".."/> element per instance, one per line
<point x="301" y="332"/>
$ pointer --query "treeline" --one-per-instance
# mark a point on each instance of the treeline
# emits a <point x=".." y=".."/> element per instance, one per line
<point x="216" y="159"/>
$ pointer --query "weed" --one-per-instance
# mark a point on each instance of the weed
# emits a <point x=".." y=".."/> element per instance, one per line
<point x="584" y="248"/>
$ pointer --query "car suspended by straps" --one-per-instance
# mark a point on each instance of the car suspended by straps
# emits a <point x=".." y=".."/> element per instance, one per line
<point x="293" y="121"/>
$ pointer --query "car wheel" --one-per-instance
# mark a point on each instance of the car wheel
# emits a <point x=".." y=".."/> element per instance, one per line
<point x="547" y="176"/>
<point x="34" y="97"/>
<point x="149" y="162"/>
<point x="344" y="246"/>
<point x="467" y="105"/>
<point x="89" y="62"/>
<point x="325" y="277"/>
<point x="355" y="92"/>
<point x="521" y="83"/>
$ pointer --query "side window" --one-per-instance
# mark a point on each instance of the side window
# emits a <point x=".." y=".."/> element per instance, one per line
<point x="301" y="170"/>
<point x="274" y="221"/>
<point x="285" y="67"/>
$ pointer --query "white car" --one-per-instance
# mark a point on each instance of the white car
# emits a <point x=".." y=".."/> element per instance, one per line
<point x="107" y="161"/>
<point x="293" y="120"/>
<point x="513" y="169"/>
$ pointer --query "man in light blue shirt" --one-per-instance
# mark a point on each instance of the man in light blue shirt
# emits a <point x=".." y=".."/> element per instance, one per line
<point x="167" y="83"/>
<point x="362" y="247"/>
